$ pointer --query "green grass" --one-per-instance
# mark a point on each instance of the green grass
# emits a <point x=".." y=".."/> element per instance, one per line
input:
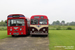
<point x="61" y="27"/>
<point x="3" y="34"/>
<point x="60" y="38"/>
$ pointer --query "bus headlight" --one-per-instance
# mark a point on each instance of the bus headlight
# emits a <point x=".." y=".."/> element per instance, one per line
<point x="20" y="29"/>
<point x="10" y="29"/>
<point x="43" y="29"/>
<point x="32" y="29"/>
<point x="21" y="32"/>
<point x="46" y="31"/>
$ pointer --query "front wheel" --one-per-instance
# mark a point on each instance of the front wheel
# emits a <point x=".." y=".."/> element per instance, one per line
<point x="12" y="35"/>
<point x="46" y="35"/>
<point x="31" y="35"/>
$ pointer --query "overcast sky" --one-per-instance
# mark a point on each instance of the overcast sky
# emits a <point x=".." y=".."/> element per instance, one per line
<point x="54" y="9"/>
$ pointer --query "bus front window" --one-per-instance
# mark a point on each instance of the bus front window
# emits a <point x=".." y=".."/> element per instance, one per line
<point x="43" y="21"/>
<point x="34" y="21"/>
<point x="20" y="22"/>
<point x="16" y="22"/>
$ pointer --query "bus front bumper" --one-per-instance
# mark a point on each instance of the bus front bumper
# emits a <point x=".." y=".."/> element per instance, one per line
<point x="38" y="33"/>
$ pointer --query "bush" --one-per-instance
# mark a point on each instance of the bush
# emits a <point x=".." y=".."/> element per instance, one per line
<point x="52" y="29"/>
<point x="0" y="29"/>
<point x="3" y="28"/>
<point x="58" y="28"/>
<point x="69" y="28"/>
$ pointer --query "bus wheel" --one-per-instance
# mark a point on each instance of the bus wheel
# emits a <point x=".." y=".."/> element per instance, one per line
<point x="31" y="35"/>
<point x="28" y="32"/>
<point x="46" y="35"/>
<point x="12" y="35"/>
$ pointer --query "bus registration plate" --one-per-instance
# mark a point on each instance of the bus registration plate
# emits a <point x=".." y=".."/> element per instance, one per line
<point x="16" y="33"/>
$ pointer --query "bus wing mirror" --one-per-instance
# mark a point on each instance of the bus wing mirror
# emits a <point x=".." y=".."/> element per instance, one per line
<point x="48" y="19"/>
<point x="26" y="19"/>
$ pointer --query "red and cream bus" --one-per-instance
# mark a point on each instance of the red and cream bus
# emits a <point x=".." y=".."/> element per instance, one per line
<point x="39" y="25"/>
<point x="17" y="25"/>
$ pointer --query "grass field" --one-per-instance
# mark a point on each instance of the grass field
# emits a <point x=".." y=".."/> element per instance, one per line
<point x="62" y="39"/>
<point x="3" y="34"/>
<point x="61" y="27"/>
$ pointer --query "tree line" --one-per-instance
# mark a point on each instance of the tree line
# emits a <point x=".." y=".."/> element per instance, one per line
<point x="3" y="23"/>
<point x="62" y="23"/>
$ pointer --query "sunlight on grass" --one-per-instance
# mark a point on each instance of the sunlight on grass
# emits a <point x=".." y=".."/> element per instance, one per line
<point x="61" y="38"/>
<point x="3" y="34"/>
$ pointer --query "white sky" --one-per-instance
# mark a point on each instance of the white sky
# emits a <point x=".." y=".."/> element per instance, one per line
<point x="54" y="9"/>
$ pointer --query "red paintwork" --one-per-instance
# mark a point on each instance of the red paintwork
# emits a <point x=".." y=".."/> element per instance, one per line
<point x="24" y="28"/>
<point x="14" y="14"/>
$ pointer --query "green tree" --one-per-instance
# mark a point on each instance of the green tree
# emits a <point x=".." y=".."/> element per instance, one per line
<point x="63" y="22"/>
<point x="2" y="23"/>
<point x="57" y="22"/>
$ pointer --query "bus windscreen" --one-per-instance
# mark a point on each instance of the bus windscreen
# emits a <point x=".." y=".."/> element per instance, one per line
<point x="16" y="22"/>
<point x="43" y="21"/>
<point x="34" y="21"/>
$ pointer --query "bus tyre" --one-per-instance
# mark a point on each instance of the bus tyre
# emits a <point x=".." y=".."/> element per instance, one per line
<point x="31" y="35"/>
<point x="46" y="35"/>
<point x="28" y="33"/>
<point x="12" y="35"/>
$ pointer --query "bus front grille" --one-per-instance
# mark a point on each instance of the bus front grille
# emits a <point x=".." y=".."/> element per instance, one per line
<point x="37" y="32"/>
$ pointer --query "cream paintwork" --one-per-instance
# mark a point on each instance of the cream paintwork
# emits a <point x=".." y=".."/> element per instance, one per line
<point x="36" y="26"/>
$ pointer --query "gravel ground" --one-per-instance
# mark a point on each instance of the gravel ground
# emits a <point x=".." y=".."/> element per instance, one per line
<point x="25" y="43"/>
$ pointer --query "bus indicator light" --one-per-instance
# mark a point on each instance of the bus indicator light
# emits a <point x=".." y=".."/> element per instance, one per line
<point x="10" y="29"/>
<point x="10" y="33"/>
<point x="20" y="29"/>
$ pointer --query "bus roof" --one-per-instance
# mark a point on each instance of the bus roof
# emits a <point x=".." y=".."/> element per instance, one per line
<point x="39" y="16"/>
<point x="20" y="15"/>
